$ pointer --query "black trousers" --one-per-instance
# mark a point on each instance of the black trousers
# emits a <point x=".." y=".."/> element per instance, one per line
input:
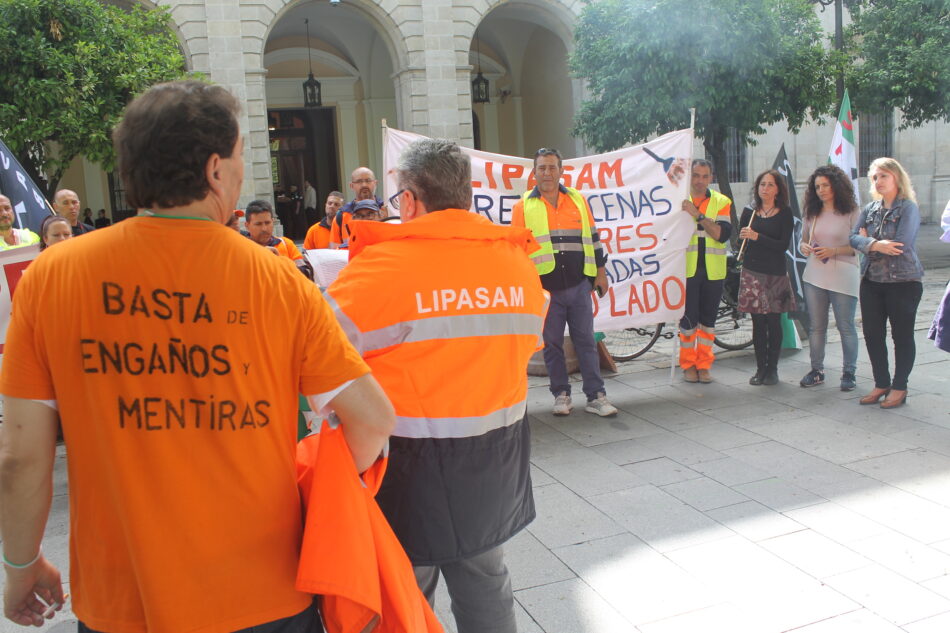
<point x="307" y="621"/>
<point x="702" y="301"/>
<point x="767" y="339"/>
<point x="895" y="302"/>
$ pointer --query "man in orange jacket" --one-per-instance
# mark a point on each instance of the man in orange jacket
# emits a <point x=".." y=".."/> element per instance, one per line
<point x="446" y="308"/>
<point x="318" y="236"/>
<point x="259" y="220"/>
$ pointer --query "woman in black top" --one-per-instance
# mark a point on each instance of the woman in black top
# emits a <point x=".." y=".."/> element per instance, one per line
<point x="764" y="289"/>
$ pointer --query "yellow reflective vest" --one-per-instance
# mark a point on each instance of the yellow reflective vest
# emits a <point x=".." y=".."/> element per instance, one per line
<point x="716" y="252"/>
<point x="536" y="219"/>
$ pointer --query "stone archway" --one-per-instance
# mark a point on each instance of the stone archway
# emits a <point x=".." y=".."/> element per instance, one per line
<point x="526" y="44"/>
<point x="351" y="56"/>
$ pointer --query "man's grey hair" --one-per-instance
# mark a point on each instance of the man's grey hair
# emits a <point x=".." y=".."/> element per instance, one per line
<point x="438" y="173"/>
<point x="702" y="162"/>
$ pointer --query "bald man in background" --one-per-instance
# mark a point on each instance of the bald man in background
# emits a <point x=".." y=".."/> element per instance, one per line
<point x="66" y="204"/>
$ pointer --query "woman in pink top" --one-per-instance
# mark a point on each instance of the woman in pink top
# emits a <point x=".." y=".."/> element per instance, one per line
<point x="831" y="275"/>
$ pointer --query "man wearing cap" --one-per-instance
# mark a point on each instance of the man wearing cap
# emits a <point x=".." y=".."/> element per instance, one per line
<point x="364" y="210"/>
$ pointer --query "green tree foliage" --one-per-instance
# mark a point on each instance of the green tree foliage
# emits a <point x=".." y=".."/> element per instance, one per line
<point x="901" y="50"/>
<point x="742" y="64"/>
<point x="67" y="70"/>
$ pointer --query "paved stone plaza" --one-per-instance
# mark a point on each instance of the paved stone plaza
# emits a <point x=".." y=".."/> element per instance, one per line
<point x="726" y="507"/>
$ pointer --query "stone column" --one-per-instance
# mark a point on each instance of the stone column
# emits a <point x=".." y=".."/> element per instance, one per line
<point x="350" y="149"/>
<point x="374" y="111"/>
<point x="435" y="85"/>
<point x="519" y="123"/>
<point x="489" y="128"/>
<point x="258" y="179"/>
<point x="411" y="95"/>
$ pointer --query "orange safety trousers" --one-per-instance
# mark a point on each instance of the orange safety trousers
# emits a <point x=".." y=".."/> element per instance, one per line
<point x="696" y="347"/>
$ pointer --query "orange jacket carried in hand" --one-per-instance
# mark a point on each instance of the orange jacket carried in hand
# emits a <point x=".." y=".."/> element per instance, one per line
<point x="349" y="554"/>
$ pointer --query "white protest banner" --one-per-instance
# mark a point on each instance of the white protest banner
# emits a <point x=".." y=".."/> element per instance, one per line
<point x="635" y="195"/>
<point x="12" y="263"/>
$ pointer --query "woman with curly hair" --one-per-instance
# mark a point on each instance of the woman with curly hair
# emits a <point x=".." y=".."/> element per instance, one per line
<point x="764" y="289"/>
<point x="831" y="273"/>
<point x="890" y="290"/>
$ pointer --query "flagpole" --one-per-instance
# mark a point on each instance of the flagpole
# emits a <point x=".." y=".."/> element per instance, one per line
<point x="746" y="240"/>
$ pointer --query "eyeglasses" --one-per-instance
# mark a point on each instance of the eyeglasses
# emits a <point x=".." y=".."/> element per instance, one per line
<point x="394" y="199"/>
<point x="363" y="181"/>
<point x="546" y="151"/>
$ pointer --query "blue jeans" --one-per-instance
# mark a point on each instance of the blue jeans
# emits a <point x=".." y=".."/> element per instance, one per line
<point x="572" y="306"/>
<point x="844" y="306"/>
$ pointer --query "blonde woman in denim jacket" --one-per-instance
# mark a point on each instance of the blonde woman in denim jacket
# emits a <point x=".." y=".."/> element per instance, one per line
<point x="886" y="232"/>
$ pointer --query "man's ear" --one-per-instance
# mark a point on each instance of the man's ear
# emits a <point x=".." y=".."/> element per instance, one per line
<point x="213" y="174"/>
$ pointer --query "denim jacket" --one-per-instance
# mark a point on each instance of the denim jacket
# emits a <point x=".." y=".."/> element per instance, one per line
<point x="899" y="224"/>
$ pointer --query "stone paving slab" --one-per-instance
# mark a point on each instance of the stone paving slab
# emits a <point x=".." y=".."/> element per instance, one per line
<point x="727" y="507"/>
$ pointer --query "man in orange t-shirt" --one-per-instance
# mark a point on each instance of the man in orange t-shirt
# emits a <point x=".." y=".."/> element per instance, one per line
<point x="177" y="395"/>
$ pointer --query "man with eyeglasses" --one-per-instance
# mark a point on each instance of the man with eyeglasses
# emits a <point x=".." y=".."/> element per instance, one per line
<point x="571" y="263"/>
<point x="363" y="185"/>
<point x="447" y="310"/>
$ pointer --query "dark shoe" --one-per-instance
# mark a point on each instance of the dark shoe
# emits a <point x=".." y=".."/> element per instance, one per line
<point x="756" y="380"/>
<point x="875" y="396"/>
<point x="896" y="401"/>
<point x="771" y="378"/>
<point x="813" y="378"/>
<point x="847" y="381"/>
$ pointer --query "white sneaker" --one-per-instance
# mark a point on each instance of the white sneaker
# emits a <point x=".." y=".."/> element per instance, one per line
<point x="601" y="407"/>
<point x="562" y="404"/>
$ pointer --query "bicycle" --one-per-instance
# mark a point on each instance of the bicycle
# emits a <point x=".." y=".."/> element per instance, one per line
<point x="733" y="328"/>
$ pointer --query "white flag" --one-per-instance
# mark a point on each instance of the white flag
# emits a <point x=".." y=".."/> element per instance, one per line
<point x="842" y="152"/>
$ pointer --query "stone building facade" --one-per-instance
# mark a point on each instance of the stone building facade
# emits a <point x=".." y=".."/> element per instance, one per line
<point x="411" y="63"/>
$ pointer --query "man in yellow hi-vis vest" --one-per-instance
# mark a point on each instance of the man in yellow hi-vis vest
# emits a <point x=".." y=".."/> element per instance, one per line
<point x="571" y="264"/>
<point x="705" y="272"/>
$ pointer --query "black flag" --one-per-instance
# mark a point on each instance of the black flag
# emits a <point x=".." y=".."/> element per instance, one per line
<point x="794" y="258"/>
<point x="29" y="205"/>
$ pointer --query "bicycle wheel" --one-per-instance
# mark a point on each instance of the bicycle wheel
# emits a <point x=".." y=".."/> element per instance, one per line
<point x="733" y="328"/>
<point x="628" y="344"/>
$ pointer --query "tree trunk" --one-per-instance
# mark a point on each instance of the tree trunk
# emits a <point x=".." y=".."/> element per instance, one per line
<point x="715" y="144"/>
